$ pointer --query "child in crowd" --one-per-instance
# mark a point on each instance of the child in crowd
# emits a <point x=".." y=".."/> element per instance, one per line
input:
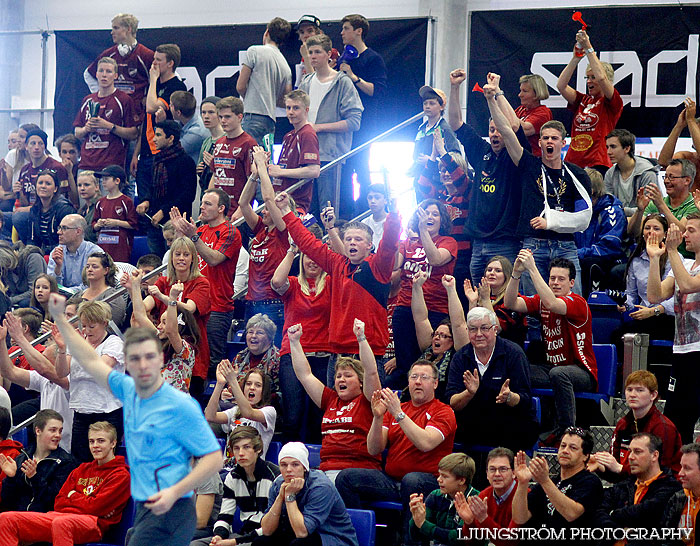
<point x="44" y="284"/>
<point x="89" y="192"/>
<point x="115" y="216"/>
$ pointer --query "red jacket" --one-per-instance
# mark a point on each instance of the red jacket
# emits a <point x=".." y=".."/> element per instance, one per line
<point x="101" y="491"/>
<point x="499" y="515"/>
<point x="357" y="291"/>
<point x="9" y="448"/>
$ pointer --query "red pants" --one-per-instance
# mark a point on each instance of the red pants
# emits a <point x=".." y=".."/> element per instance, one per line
<point x="57" y="527"/>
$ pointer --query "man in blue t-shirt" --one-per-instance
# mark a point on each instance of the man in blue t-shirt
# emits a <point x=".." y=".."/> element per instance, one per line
<point x="163" y="429"/>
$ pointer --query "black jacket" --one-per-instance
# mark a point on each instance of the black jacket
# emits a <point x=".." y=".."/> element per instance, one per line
<point x="618" y="508"/>
<point x="37" y="494"/>
<point x="60" y="208"/>
<point x="676" y="506"/>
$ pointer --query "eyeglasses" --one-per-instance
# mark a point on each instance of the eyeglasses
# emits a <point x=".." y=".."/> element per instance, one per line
<point x="423" y="377"/>
<point x="482" y="329"/>
<point x="498" y="469"/>
<point x="64" y="228"/>
<point x="440" y="335"/>
<point x="671" y="177"/>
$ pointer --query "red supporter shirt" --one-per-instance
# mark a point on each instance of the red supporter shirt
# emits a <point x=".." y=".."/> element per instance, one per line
<point x="232" y="160"/>
<point x="538" y="116"/>
<point x="299" y="149"/>
<point x="21" y="360"/>
<point x="267" y="251"/>
<point x="569" y="337"/>
<point x="414" y="259"/>
<point x="403" y="456"/>
<point x="594" y="118"/>
<point x="313" y="312"/>
<point x="344" y="429"/>
<point x="102" y="148"/>
<point x="117" y="241"/>
<point x="226" y="239"/>
<point x="132" y="72"/>
<point x="198" y="291"/>
<point x="28" y="175"/>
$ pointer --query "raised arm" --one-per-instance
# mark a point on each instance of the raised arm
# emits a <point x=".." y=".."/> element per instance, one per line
<point x="669" y="147"/>
<point x="230" y="372"/>
<point x="521" y="513"/>
<point x="139" y="316"/>
<point x="504" y="105"/>
<point x="211" y="412"/>
<point x="328" y="221"/>
<point x="436" y="256"/>
<point x="515" y="149"/>
<point x="369" y="363"/>
<point x="91" y="362"/>
<point x="547" y="297"/>
<point x="9" y="371"/>
<point x="687" y="284"/>
<point x="424" y="331"/>
<point x="425" y="439"/>
<point x="511" y="299"/>
<point x="247" y="195"/>
<point x="268" y="192"/>
<point x="454" y="107"/>
<point x="460" y="336"/>
<point x="595" y="65"/>
<point x="172" y="329"/>
<point x="280" y="278"/>
<point x="568" y="92"/>
<point x="567" y="507"/>
<point x="312" y="385"/>
<point x="377" y="437"/>
<point x="658" y="290"/>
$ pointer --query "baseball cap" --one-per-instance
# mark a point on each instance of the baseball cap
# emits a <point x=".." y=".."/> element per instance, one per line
<point x="115" y="171"/>
<point x="427" y="92"/>
<point x="308" y="20"/>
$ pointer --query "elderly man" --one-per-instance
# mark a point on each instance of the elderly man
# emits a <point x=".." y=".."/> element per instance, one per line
<point x="418" y="433"/>
<point x="70" y="256"/>
<point x="488" y="387"/>
<point x="639" y="500"/>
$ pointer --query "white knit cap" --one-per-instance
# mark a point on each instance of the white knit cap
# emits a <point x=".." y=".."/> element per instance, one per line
<point x="297" y="451"/>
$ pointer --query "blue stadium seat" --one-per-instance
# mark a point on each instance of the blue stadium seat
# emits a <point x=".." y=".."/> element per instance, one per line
<point x="116" y="536"/>
<point x="606" y="317"/>
<point x="314" y="455"/>
<point x="606" y="358"/>
<point x="385" y="505"/>
<point x="21" y="436"/>
<point x="365" y="524"/>
<point x="273" y="452"/>
<point x="233" y="348"/>
<point x="139" y="249"/>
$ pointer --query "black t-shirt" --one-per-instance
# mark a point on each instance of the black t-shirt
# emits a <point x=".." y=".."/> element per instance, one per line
<point x="163" y="90"/>
<point x="583" y="487"/>
<point x="370" y="66"/>
<point x="561" y="194"/>
<point x="494" y="205"/>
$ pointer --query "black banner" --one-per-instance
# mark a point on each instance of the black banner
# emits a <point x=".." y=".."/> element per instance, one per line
<point x="654" y="51"/>
<point x="210" y="60"/>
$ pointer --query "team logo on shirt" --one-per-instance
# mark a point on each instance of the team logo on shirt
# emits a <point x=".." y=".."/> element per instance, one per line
<point x="133" y="72"/>
<point x="118" y="210"/>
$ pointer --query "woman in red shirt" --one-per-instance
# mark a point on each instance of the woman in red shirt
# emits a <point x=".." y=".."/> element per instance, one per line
<point x="347" y="414"/>
<point x="307" y="301"/>
<point x="183" y="267"/>
<point x="428" y="248"/>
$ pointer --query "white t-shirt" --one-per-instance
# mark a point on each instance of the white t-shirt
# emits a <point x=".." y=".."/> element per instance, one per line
<point x="317" y="92"/>
<point x="55" y="397"/>
<point x="266" y="429"/>
<point x="11" y="160"/>
<point x="86" y="396"/>
<point x="377" y="230"/>
<point x="687" y="338"/>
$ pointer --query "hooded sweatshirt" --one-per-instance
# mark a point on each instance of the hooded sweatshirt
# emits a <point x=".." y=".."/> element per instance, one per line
<point x="603" y="236"/>
<point x="626" y="190"/>
<point x="101" y="491"/>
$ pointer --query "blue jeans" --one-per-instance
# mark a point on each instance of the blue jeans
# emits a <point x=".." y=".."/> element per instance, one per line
<point x="273" y="309"/>
<point x="21" y="221"/>
<point x="324" y="189"/>
<point x="174" y="528"/>
<point x="485" y="249"/>
<point x="218" y="325"/>
<point x="257" y="126"/>
<point x="358" y="484"/>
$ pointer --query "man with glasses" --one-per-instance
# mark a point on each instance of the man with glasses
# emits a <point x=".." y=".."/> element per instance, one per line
<point x="488" y="387"/>
<point x="68" y="259"/>
<point x="565" y="317"/>
<point x="678" y="203"/>
<point x="571" y="501"/>
<point x="418" y="434"/>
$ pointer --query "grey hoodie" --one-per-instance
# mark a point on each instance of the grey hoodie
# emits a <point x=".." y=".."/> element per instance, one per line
<point x="644" y="173"/>
<point x="342" y="102"/>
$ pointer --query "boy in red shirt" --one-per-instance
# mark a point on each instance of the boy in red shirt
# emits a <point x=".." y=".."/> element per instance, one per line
<point x="566" y="332"/>
<point x="92" y="499"/>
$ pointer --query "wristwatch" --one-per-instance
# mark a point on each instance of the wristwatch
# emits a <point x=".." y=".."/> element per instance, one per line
<point x="400" y="417"/>
<point x="657" y="311"/>
<point x="172" y="302"/>
<point x="590" y="50"/>
<point x="195" y="238"/>
<point x="290" y="498"/>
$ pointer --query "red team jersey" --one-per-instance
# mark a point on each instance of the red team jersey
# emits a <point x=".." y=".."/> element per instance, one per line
<point x="344" y="429"/>
<point x="403" y="456"/>
<point x="226" y="239"/>
<point x="132" y="72"/>
<point x="594" y="118"/>
<point x="299" y="149"/>
<point x="232" y="160"/>
<point x="568" y="338"/>
<point x="414" y="259"/>
<point x="117" y="241"/>
<point x="267" y="250"/>
<point x="313" y="312"/>
<point x="102" y="148"/>
<point x="538" y="116"/>
<point x="28" y="175"/>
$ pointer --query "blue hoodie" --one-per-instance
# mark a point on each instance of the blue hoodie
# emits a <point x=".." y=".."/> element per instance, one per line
<point x="603" y="236"/>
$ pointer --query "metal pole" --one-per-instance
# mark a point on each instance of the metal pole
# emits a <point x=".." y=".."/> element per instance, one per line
<point x="430" y="53"/>
<point x="44" y="68"/>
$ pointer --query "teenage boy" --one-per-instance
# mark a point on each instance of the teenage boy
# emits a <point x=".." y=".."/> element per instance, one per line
<point x="35" y="476"/>
<point x="39" y="160"/>
<point x="377" y="200"/>
<point x="299" y="158"/>
<point x="566" y="330"/>
<point x="246" y="487"/>
<point x="335" y="111"/>
<point x="210" y="119"/>
<point x="683" y="282"/>
<point x="436" y="518"/>
<point x="307" y="26"/>
<point x="164" y="428"/>
<point x="233" y="153"/>
<point x="641" y="393"/>
<point x="263" y="81"/>
<point x="91" y="500"/>
<point x="69" y="153"/>
<point x="105" y="121"/>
